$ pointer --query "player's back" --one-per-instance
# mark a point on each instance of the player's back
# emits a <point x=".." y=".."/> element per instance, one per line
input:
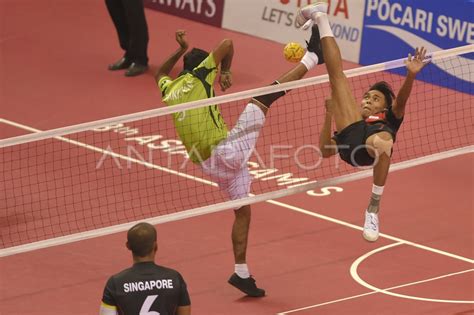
<point x="200" y="129"/>
<point x="147" y="287"/>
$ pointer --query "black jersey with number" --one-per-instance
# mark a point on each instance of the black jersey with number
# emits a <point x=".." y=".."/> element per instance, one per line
<point x="351" y="140"/>
<point x="146" y="288"/>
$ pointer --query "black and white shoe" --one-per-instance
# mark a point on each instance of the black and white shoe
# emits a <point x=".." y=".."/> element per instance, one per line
<point x="314" y="44"/>
<point x="247" y="285"/>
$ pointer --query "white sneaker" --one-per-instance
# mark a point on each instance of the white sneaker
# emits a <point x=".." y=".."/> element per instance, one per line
<point x="371" y="227"/>
<point x="305" y="14"/>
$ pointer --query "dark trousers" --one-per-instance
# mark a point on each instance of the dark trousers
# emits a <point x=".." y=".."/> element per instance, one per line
<point x="130" y="22"/>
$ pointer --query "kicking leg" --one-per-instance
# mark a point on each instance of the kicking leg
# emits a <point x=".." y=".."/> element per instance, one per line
<point x="313" y="57"/>
<point x="345" y="108"/>
<point x="245" y="133"/>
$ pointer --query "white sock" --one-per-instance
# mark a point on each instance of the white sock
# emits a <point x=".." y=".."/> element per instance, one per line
<point x="242" y="270"/>
<point x="310" y="60"/>
<point x="323" y="24"/>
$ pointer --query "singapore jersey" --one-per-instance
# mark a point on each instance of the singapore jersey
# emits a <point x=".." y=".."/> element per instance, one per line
<point x="146" y="288"/>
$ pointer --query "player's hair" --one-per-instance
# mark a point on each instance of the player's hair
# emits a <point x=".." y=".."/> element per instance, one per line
<point x="384" y="88"/>
<point x="141" y="239"/>
<point x="193" y="58"/>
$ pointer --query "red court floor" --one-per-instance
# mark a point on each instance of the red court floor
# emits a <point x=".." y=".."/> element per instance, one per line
<point x="301" y="260"/>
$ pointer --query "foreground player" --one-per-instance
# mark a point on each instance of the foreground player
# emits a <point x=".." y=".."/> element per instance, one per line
<point x="221" y="154"/>
<point x="145" y="288"/>
<point x="365" y="134"/>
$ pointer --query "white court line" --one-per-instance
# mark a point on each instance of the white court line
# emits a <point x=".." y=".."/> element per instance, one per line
<point x="378" y="291"/>
<point x="359" y="280"/>
<point x="225" y="205"/>
<point x="356" y="227"/>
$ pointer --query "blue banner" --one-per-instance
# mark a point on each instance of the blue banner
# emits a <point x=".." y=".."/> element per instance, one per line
<point x="393" y="28"/>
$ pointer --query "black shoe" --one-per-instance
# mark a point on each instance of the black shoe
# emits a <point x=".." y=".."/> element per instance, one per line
<point x="314" y="44"/>
<point x="246" y="285"/>
<point x="123" y="63"/>
<point x="135" y="69"/>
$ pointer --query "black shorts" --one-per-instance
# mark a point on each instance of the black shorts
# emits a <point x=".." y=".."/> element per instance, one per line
<point x="351" y="141"/>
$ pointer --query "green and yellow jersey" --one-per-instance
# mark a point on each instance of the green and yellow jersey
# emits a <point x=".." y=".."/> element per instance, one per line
<point x="199" y="129"/>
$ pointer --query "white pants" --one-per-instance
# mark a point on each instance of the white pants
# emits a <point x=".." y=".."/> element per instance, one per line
<point x="227" y="164"/>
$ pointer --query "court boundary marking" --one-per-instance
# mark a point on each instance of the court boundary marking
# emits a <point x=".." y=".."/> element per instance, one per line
<point x="229" y="204"/>
<point x="359" y="280"/>
<point x="377" y="291"/>
<point x="373" y="289"/>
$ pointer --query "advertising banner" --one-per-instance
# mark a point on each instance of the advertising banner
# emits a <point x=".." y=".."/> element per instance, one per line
<point x="367" y="31"/>
<point x="393" y="28"/>
<point x="204" y="11"/>
<point x="275" y="20"/>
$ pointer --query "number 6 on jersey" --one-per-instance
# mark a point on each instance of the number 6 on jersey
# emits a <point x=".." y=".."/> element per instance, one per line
<point x="145" y="310"/>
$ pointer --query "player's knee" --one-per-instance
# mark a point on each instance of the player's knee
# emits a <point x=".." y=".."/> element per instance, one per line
<point x="381" y="143"/>
<point x="268" y="99"/>
<point x="326" y="151"/>
<point x="243" y="215"/>
<point x="243" y="211"/>
<point x="326" y="154"/>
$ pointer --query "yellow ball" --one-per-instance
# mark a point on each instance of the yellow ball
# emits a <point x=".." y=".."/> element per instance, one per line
<point x="293" y="52"/>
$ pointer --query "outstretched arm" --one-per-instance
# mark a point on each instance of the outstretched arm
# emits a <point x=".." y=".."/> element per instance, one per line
<point x="223" y="54"/>
<point x="168" y="65"/>
<point x="414" y="65"/>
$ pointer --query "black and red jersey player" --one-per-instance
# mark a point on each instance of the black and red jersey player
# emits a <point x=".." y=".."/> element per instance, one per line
<point x="365" y="132"/>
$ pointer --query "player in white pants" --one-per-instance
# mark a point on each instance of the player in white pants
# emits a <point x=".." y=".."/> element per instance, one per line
<point x="223" y="155"/>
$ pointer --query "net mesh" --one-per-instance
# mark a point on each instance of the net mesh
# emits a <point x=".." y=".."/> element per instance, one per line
<point x="129" y="171"/>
